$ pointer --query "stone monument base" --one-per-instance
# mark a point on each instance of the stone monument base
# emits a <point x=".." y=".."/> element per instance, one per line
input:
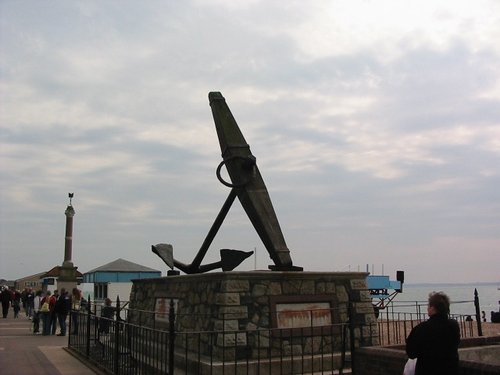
<point x="258" y="314"/>
<point x="67" y="277"/>
<point x="316" y="364"/>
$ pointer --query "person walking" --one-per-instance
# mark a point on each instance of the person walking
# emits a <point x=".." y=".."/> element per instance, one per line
<point x="6" y="298"/>
<point x="36" y="312"/>
<point x="16" y="303"/>
<point x="434" y="343"/>
<point x="76" y="298"/>
<point x="61" y="310"/>
<point x="45" y="313"/>
<point x="107" y="315"/>
<point x="30" y="297"/>
<point x="24" y="293"/>
<point x="53" y="314"/>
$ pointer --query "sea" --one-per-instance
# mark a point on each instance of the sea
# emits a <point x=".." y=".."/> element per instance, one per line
<point x="413" y="295"/>
<point x="461" y="297"/>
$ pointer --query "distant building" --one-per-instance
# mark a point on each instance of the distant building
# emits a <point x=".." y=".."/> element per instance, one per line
<point x="33" y="281"/>
<point x="115" y="278"/>
<point x="10" y="283"/>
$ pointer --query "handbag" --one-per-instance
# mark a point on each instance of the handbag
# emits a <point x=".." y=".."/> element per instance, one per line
<point x="410" y="366"/>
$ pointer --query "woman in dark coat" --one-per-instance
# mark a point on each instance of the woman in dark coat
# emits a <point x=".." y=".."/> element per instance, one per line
<point x="6" y="297"/>
<point x="435" y="342"/>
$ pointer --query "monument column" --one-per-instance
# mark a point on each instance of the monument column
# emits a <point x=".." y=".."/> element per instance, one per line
<point x="68" y="243"/>
<point x="67" y="276"/>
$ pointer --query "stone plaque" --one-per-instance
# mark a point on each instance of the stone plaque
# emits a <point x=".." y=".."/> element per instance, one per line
<point x="162" y="306"/>
<point x="303" y="315"/>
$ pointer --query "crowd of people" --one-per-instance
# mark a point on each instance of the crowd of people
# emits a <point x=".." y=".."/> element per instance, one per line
<point x="47" y="310"/>
<point x="10" y="299"/>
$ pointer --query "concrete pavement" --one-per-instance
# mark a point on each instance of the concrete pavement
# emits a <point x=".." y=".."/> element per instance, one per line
<point x="22" y="352"/>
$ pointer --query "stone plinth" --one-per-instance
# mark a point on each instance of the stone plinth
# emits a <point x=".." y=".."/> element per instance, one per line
<point x="67" y="272"/>
<point x="256" y="314"/>
<point x="67" y="277"/>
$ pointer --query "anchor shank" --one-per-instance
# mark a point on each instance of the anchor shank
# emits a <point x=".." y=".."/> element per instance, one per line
<point x="252" y="193"/>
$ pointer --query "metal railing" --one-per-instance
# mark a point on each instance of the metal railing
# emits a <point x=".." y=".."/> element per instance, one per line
<point x="121" y="347"/>
<point x="397" y="320"/>
<point x="395" y="327"/>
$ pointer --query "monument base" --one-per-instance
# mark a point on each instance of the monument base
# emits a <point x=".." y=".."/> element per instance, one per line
<point x="258" y="314"/>
<point x="67" y="277"/>
<point x="316" y="364"/>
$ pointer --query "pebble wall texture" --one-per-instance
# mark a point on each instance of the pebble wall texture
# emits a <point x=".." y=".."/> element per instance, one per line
<point x="236" y="304"/>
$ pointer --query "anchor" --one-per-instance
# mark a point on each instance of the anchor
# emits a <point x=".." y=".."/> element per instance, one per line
<point x="246" y="184"/>
<point x="230" y="259"/>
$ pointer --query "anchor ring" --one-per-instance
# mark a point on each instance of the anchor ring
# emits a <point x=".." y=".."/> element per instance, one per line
<point x="250" y="162"/>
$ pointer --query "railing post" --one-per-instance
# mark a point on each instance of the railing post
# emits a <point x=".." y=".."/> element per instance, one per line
<point x="87" y="331"/>
<point x="352" y="335"/>
<point x="478" y="313"/>
<point x="171" y="335"/>
<point x="117" y="338"/>
<point x="68" y="329"/>
<point x="344" y="348"/>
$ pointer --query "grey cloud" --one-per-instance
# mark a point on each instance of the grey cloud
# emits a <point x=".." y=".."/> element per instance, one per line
<point x="366" y="160"/>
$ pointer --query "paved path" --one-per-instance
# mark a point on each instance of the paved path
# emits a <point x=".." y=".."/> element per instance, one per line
<point x="21" y="352"/>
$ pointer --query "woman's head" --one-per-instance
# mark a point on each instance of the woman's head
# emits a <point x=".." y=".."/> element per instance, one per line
<point x="439" y="303"/>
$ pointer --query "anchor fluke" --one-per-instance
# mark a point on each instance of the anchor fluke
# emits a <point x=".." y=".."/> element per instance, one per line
<point x="165" y="252"/>
<point x="230" y="259"/>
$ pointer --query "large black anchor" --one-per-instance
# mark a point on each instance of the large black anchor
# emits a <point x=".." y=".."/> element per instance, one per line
<point x="246" y="184"/>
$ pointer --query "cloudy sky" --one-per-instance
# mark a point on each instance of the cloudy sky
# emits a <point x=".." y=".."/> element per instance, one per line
<point x="376" y="127"/>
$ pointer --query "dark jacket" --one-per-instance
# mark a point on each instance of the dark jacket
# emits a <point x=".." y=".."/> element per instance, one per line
<point x="435" y="345"/>
<point x="62" y="304"/>
<point x="6" y="297"/>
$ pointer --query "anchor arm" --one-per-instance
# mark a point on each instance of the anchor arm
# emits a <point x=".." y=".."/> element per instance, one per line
<point x="213" y="230"/>
<point x="195" y="266"/>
